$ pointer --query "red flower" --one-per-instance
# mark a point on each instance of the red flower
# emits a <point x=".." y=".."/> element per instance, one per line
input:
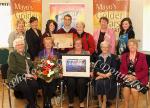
<point x="45" y="72"/>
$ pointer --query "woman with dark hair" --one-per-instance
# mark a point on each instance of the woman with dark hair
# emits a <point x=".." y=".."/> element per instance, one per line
<point x="33" y="38"/>
<point x="126" y="33"/>
<point x="104" y="33"/>
<point x="51" y="28"/>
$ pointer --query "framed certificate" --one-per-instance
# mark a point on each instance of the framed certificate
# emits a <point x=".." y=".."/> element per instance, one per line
<point x="63" y="40"/>
<point x="76" y="66"/>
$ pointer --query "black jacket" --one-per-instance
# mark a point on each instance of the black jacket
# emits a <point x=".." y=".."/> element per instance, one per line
<point x="33" y="42"/>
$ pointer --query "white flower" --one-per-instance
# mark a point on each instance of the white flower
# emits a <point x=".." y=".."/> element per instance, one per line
<point x="50" y="73"/>
<point x="49" y="62"/>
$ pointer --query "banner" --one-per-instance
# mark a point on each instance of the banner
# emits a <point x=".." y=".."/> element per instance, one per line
<point x="57" y="12"/>
<point x="26" y="9"/>
<point x="114" y="10"/>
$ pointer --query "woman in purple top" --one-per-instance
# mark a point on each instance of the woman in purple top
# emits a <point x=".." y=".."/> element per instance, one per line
<point x="48" y="88"/>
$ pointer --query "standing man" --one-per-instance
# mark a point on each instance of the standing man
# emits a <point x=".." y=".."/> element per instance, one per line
<point x="67" y="25"/>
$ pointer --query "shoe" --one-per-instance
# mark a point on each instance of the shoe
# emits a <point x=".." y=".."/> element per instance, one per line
<point x="47" y="106"/>
<point x="70" y="106"/>
<point x="108" y="104"/>
<point x="82" y="105"/>
<point x="27" y="106"/>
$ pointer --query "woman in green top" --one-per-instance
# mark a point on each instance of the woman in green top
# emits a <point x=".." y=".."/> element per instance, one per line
<point x="77" y="83"/>
<point x="19" y="72"/>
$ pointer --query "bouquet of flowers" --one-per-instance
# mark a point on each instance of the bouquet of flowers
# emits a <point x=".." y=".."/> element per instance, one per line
<point x="47" y="68"/>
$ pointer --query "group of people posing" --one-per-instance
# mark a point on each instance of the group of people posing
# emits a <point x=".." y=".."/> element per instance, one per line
<point x="26" y="46"/>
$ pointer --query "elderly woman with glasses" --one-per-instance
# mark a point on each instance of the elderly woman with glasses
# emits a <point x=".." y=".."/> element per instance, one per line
<point x="104" y="77"/>
<point x="19" y="73"/>
<point x="135" y="69"/>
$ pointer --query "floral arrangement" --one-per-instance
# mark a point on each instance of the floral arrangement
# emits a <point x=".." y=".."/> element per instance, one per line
<point x="47" y="68"/>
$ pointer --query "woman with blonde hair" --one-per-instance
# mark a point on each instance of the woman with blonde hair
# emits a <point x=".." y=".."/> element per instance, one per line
<point x="19" y="33"/>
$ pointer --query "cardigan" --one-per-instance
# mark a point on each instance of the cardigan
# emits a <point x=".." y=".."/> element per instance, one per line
<point x="53" y="52"/>
<point x="109" y="36"/>
<point x="87" y="41"/>
<point x="33" y="42"/>
<point x="111" y="60"/>
<point x="17" y="64"/>
<point x="141" y="67"/>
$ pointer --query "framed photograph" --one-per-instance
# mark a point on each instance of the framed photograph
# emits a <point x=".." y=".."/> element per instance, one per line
<point x="76" y="65"/>
<point x="63" y="40"/>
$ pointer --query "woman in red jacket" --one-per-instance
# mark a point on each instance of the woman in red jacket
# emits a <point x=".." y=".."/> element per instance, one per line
<point x="134" y="67"/>
<point x="87" y="39"/>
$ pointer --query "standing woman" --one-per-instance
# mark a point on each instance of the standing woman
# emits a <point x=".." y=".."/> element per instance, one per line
<point x="104" y="34"/>
<point x="33" y="38"/>
<point x="20" y="32"/>
<point x="51" y="28"/>
<point x="87" y="38"/>
<point x="126" y="33"/>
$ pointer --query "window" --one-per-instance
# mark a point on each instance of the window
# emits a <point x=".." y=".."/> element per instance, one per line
<point x="5" y="24"/>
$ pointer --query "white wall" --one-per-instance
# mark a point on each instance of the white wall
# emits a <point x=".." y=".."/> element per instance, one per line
<point x="146" y="24"/>
<point x="136" y="15"/>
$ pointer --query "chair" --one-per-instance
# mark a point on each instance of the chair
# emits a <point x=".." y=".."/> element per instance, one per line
<point x="4" y="84"/>
<point x="148" y="92"/>
<point x="118" y="94"/>
<point x="90" y="93"/>
<point x="4" y="67"/>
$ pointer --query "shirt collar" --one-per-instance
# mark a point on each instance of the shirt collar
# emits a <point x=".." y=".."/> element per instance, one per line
<point x="108" y="55"/>
<point x="66" y="30"/>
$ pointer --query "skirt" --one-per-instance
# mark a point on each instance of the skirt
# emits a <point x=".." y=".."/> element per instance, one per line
<point x="103" y="86"/>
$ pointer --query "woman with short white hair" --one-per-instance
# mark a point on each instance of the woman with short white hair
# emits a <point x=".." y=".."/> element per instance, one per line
<point x="87" y="38"/>
<point x="104" y="77"/>
<point x="19" y="73"/>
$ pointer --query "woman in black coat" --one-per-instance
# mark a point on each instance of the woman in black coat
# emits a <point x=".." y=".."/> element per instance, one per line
<point x="33" y="38"/>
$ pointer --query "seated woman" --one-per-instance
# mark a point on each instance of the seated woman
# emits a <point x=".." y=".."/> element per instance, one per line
<point x="19" y="73"/>
<point x="48" y="88"/>
<point x="134" y="67"/>
<point x="104" y="78"/>
<point x="73" y="83"/>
